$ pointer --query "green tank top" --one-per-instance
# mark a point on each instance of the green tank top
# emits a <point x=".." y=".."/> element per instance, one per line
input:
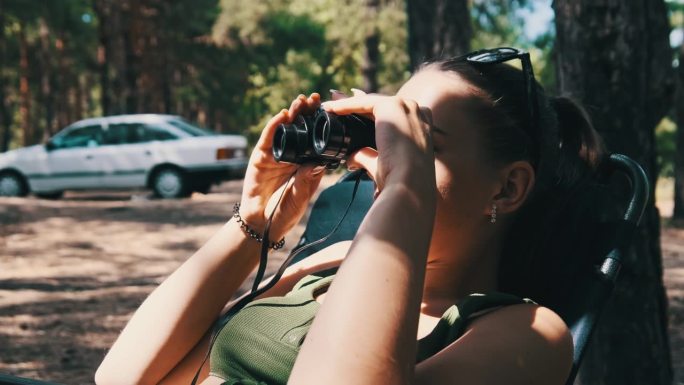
<point x="259" y="345"/>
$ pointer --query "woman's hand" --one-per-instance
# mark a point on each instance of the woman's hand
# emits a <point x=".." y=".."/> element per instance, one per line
<point x="265" y="178"/>
<point x="402" y="133"/>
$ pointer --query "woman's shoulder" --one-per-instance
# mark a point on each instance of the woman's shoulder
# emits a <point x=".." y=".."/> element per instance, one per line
<point x="516" y="344"/>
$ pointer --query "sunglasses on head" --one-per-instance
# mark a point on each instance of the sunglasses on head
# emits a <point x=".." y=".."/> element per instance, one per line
<point x="504" y="54"/>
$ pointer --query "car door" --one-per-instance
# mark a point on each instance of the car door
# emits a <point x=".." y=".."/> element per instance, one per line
<point x="73" y="160"/>
<point x="129" y="152"/>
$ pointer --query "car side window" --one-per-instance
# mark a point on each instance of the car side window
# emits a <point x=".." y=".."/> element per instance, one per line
<point x="152" y="132"/>
<point x="88" y="136"/>
<point x="130" y="133"/>
<point x="121" y="133"/>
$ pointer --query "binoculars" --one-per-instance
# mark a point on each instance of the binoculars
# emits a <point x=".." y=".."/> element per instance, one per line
<point x="323" y="138"/>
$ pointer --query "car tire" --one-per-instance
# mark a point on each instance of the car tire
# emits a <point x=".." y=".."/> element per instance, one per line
<point x="50" y="195"/>
<point x="169" y="183"/>
<point x="13" y="185"/>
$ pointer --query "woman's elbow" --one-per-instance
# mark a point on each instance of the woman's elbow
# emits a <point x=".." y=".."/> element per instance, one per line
<point x="104" y="375"/>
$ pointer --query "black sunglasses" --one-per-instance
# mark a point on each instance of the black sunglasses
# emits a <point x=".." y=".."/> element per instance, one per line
<point x="503" y="54"/>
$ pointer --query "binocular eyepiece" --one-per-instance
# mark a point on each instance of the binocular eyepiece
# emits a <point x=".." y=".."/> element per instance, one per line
<point x="323" y="138"/>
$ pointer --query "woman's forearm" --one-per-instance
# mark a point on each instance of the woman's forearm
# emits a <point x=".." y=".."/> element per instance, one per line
<point x="366" y="328"/>
<point x="178" y="313"/>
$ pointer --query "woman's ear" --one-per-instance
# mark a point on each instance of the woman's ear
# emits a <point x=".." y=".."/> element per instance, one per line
<point x="516" y="183"/>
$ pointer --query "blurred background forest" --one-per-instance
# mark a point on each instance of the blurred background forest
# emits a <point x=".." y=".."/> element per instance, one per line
<point x="225" y="64"/>
<point x="230" y="64"/>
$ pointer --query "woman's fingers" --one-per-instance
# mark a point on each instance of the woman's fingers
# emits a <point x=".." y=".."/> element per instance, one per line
<point x="362" y="104"/>
<point x="337" y="95"/>
<point x="296" y="106"/>
<point x="301" y="105"/>
<point x="304" y="105"/>
<point x="313" y="102"/>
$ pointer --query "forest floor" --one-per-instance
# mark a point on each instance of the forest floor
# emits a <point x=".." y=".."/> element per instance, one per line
<point x="72" y="271"/>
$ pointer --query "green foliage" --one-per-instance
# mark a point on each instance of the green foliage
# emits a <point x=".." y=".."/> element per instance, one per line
<point x="497" y="23"/>
<point x="229" y="63"/>
<point x="666" y="143"/>
<point x="666" y="147"/>
<point x="500" y="23"/>
<point x="303" y="47"/>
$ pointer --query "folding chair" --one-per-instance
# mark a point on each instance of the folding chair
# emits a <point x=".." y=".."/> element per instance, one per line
<point x="583" y="309"/>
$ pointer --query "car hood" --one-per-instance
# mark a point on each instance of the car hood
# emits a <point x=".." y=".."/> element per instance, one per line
<point x="7" y="158"/>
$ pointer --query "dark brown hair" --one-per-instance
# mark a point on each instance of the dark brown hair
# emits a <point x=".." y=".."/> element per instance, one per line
<point x="535" y="263"/>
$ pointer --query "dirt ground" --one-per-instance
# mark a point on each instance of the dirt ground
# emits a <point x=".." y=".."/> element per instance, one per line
<point x="72" y="272"/>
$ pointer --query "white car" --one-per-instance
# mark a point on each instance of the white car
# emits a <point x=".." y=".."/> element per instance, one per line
<point x="161" y="152"/>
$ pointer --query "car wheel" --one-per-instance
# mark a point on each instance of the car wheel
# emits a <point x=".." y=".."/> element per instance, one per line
<point x="12" y="185"/>
<point x="169" y="183"/>
<point x="50" y="195"/>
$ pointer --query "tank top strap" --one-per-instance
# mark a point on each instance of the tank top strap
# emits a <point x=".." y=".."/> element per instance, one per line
<point x="453" y="323"/>
<point x="309" y="285"/>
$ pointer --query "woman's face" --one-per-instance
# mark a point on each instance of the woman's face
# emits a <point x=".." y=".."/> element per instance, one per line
<point x="466" y="179"/>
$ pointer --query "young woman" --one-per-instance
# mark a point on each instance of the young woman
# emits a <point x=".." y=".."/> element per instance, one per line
<point x="468" y="151"/>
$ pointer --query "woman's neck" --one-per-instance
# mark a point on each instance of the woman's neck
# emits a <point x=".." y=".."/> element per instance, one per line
<point x="448" y="278"/>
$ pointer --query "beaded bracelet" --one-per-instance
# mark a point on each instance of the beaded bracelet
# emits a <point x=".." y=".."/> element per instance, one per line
<point x="253" y="234"/>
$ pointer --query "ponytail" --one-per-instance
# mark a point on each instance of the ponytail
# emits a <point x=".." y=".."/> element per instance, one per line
<point x="580" y="146"/>
<point x="542" y="259"/>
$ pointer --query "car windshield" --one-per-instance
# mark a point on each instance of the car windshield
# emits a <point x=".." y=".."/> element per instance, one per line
<point x="189" y="128"/>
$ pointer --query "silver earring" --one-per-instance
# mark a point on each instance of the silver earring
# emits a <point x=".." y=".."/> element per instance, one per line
<point x="492" y="219"/>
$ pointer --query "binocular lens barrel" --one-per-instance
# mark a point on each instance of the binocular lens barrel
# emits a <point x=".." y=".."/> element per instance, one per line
<point x="324" y="138"/>
<point x="291" y="142"/>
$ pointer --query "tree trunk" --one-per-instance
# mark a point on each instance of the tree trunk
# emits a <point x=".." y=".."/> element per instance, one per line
<point x="78" y="97"/>
<point x="24" y="90"/>
<point x="614" y="57"/>
<point x="116" y="57"/>
<point x="46" y="97"/>
<point x="5" y="110"/>
<point x="678" y="213"/>
<point x="102" y="10"/>
<point x="437" y="28"/>
<point x="372" y="48"/>
<point x="130" y="36"/>
<point x="64" y="113"/>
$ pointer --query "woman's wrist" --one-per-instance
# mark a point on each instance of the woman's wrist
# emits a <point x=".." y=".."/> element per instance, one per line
<point x="257" y="234"/>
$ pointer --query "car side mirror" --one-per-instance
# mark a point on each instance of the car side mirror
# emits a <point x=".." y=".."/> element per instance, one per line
<point x="50" y="145"/>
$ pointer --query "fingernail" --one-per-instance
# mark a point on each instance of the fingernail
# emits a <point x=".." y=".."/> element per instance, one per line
<point x="334" y="91"/>
<point x="355" y="90"/>
<point x="325" y="105"/>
